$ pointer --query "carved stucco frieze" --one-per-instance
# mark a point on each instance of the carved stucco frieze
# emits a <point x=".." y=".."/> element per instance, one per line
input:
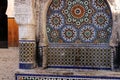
<point x="114" y="9"/>
<point x="44" y="4"/>
<point x="25" y="17"/>
<point x="37" y="13"/>
<point x="24" y="13"/>
<point x="115" y="37"/>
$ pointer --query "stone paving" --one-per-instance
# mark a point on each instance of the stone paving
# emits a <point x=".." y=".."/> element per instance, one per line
<point x="8" y="63"/>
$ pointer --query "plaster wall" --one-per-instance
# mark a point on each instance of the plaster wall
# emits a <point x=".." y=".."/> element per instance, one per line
<point x="10" y="9"/>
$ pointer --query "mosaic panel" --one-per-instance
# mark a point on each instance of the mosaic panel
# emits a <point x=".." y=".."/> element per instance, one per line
<point x="79" y="21"/>
<point x="27" y="53"/>
<point x="79" y="57"/>
<point x="60" y="77"/>
<point x="78" y="33"/>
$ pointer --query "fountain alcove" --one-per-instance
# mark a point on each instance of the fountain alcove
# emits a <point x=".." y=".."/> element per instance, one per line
<point x="64" y="34"/>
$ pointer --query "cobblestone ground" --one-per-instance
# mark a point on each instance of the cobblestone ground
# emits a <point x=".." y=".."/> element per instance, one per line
<point x="8" y="63"/>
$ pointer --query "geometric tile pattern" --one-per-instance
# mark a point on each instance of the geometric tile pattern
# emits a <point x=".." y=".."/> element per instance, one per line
<point x="61" y="77"/>
<point x="27" y="52"/>
<point x="79" y="57"/>
<point x="79" y="21"/>
<point x="84" y="24"/>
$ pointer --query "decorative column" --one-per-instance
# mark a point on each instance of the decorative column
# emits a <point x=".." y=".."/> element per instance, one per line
<point x="43" y="43"/>
<point x="25" y="17"/>
<point x="3" y="24"/>
<point x="115" y="36"/>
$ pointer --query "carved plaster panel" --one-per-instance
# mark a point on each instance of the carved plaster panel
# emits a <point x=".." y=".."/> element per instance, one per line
<point x="44" y="4"/>
<point x="24" y="13"/>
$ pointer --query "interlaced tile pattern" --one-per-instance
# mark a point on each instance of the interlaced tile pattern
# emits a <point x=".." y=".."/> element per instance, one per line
<point x="79" y="21"/>
<point x="82" y="57"/>
<point x="27" y="51"/>
<point x="58" y="77"/>
<point x="47" y="78"/>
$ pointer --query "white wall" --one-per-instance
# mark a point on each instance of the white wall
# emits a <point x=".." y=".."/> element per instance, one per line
<point x="10" y="9"/>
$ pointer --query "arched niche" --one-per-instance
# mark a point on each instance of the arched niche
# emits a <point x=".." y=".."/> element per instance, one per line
<point x="76" y="52"/>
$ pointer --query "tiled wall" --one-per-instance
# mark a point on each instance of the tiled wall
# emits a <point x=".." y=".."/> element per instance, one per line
<point x="81" y="58"/>
<point x="80" y="31"/>
<point x="94" y="30"/>
<point x="27" y="50"/>
<point x="79" y="22"/>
